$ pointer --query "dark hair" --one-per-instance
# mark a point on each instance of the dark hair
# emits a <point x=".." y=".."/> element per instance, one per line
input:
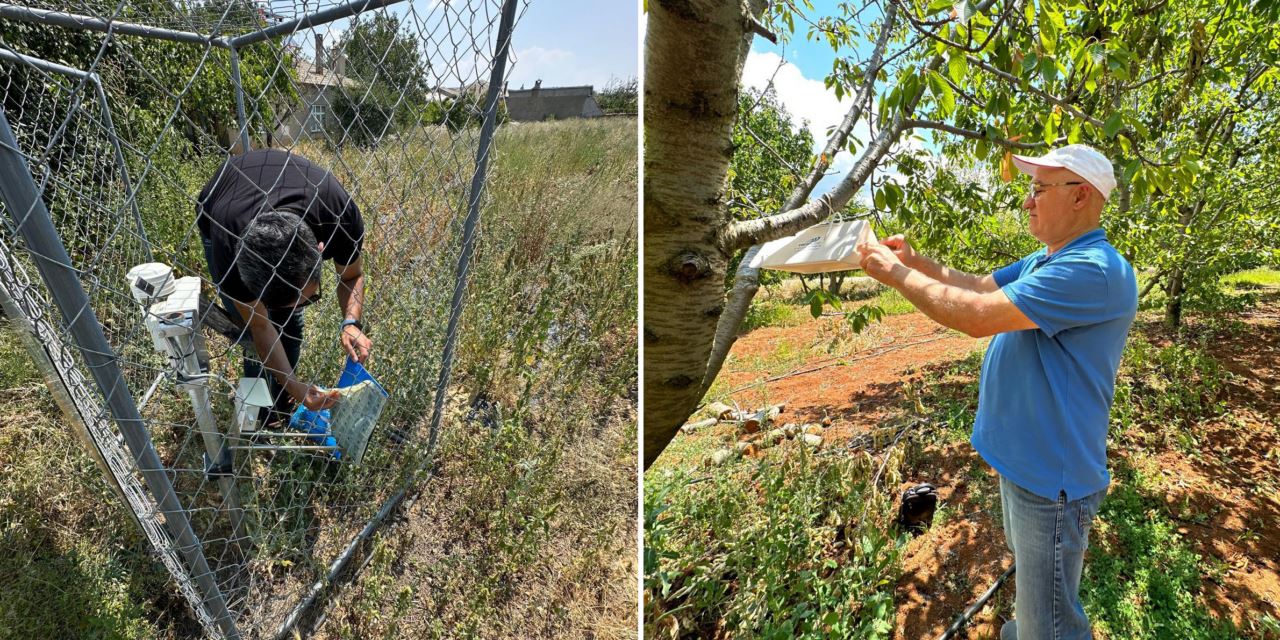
<point x="277" y="258"/>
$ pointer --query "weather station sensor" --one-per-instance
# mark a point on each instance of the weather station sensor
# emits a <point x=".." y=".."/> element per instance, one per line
<point x="253" y="401"/>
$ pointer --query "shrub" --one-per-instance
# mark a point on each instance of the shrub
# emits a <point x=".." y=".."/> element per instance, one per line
<point x="780" y="550"/>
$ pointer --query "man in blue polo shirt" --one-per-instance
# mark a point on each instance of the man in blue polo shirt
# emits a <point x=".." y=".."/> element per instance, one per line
<point x="1060" y="317"/>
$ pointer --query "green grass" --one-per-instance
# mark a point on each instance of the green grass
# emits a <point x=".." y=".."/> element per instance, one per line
<point x="768" y="313"/>
<point x="1261" y="277"/>
<point x="72" y="567"/>
<point x="1142" y="580"/>
<point x="892" y="303"/>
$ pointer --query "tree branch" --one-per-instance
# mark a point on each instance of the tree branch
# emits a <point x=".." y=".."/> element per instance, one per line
<point x="836" y="143"/>
<point x="746" y="281"/>
<point x="920" y="27"/>
<point x="754" y="26"/>
<point x="744" y="233"/>
<point x="774" y="152"/>
<point x="1066" y="106"/>
<point x="977" y="135"/>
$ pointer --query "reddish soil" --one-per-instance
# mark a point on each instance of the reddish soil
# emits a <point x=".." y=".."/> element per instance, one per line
<point x="948" y="567"/>
<point x="854" y="395"/>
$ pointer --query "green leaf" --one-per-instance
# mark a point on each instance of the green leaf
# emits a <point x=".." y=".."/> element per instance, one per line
<point x="1030" y="63"/>
<point x="1048" y="69"/>
<point x="957" y="66"/>
<point x="1112" y="125"/>
<point x="1048" y="31"/>
<point x="1050" y="129"/>
<point x="942" y="92"/>
<point x="892" y="195"/>
<point x="937" y="5"/>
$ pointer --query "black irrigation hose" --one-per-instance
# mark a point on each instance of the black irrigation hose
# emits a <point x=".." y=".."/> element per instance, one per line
<point x="963" y="620"/>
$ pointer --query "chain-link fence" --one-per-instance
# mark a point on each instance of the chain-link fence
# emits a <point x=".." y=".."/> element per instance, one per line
<point x="121" y="120"/>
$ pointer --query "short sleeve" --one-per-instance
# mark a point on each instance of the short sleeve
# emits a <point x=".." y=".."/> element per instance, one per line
<point x="1065" y="293"/>
<point x="1008" y="273"/>
<point x="348" y="237"/>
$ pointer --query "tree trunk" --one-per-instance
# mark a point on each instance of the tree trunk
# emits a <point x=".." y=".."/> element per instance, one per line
<point x="1173" y="306"/>
<point x="694" y="52"/>
<point x="836" y="283"/>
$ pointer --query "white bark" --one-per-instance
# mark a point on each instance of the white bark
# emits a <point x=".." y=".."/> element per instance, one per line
<point x="694" y="52"/>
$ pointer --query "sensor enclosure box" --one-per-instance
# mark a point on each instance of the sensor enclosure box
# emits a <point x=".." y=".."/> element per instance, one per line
<point x="253" y="401"/>
<point x="172" y="318"/>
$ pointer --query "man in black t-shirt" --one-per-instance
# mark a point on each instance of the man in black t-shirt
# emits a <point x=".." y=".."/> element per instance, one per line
<point x="268" y="219"/>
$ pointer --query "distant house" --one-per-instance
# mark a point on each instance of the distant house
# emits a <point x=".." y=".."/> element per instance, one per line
<point x="559" y="103"/>
<point x="318" y="83"/>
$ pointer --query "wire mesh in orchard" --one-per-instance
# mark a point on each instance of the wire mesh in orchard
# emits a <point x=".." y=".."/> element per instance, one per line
<point x="115" y="114"/>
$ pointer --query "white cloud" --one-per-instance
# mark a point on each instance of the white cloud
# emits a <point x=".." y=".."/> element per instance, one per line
<point x="807" y="100"/>
<point x="811" y="103"/>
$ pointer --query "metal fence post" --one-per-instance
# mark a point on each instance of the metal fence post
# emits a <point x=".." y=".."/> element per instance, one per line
<point x="241" y="118"/>
<point x="496" y="78"/>
<point x="33" y="223"/>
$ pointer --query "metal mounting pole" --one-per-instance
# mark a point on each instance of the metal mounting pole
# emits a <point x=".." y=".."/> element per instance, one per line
<point x="215" y="448"/>
<point x="31" y="221"/>
<point x="305" y="22"/>
<point x="83" y="22"/>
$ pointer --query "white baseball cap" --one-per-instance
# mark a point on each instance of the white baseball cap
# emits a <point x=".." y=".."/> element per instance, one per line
<point x="1083" y="160"/>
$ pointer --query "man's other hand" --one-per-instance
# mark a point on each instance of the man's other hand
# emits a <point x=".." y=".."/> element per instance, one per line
<point x="901" y="248"/>
<point x="317" y="398"/>
<point x="356" y="343"/>
<point x="879" y="261"/>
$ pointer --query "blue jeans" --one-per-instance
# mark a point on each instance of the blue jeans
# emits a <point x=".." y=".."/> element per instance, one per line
<point x="288" y="323"/>
<point x="1048" y="539"/>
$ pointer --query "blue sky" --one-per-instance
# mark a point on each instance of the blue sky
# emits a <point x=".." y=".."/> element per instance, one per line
<point x="561" y="42"/>
<point x="573" y="42"/>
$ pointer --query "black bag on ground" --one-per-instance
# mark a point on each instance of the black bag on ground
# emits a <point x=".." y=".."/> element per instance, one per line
<point x="915" y="514"/>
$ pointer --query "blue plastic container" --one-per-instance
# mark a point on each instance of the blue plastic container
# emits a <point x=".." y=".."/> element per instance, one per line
<point x="317" y="422"/>
<point x="355" y="373"/>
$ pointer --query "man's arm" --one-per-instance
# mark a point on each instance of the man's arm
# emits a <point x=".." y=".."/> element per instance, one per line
<point x="351" y="299"/>
<point x="266" y="341"/>
<point x="946" y="275"/>
<point x="978" y="314"/>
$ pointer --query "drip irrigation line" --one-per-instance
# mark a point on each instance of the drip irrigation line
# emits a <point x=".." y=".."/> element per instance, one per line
<point x="963" y="621"/>
<point x="838" y="361"/>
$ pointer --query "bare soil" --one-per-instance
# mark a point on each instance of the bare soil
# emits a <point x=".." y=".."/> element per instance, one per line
<point x="947" y="568"/>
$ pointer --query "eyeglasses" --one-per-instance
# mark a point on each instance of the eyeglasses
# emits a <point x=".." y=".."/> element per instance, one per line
<point x="1038" y="188"/>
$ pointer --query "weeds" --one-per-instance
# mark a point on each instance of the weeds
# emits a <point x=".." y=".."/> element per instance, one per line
<point x="776" y="550"/>
<point x="764" y="313"/>
<point x="1162" y="391"/>
<point x="1142" y="580"/>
